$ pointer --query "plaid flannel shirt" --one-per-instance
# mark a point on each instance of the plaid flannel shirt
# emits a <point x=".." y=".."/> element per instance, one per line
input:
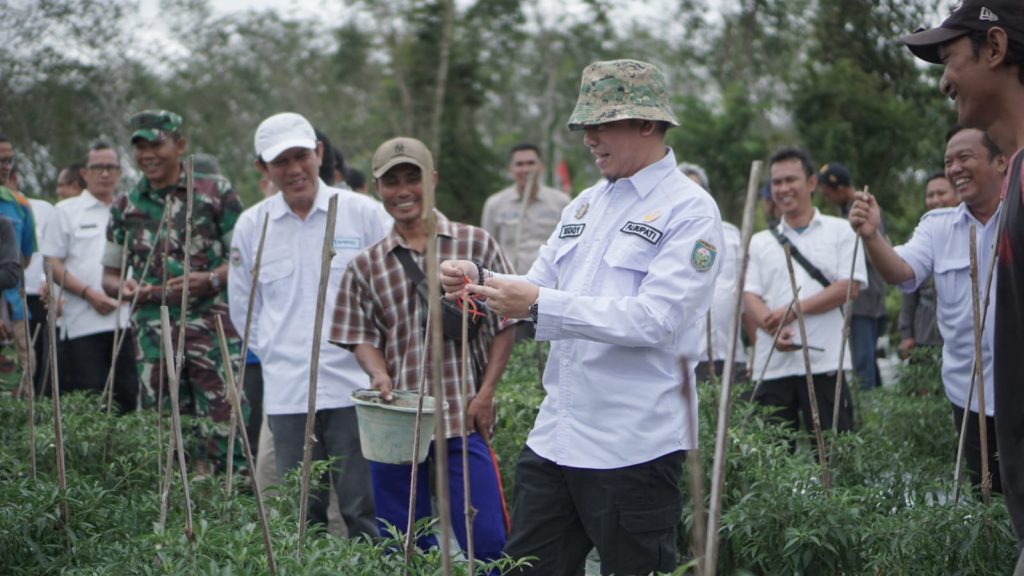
<point x="378" y="305"/>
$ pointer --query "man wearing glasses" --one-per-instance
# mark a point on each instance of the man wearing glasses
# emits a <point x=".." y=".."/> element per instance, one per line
<point x="157" y="148"/>
<point x="74" y="246"/>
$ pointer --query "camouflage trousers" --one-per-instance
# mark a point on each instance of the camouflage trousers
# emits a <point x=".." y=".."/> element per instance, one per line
<point x="202" y="392"/>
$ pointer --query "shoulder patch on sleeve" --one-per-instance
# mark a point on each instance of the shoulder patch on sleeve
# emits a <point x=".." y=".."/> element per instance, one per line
<point x="703" y="255"/>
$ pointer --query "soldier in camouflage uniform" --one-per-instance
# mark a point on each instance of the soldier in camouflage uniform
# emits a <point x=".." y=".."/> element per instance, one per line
<point x="157" y="147"/>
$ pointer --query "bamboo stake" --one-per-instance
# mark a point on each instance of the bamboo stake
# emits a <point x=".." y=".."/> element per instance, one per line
<point x="979" y="374"/>
<point x="236" y="409"/>
<point x="327" y="253"/>
<point x="245" y="351"/>
<point x="847" y="312"/>
<point x="436" y="358"/>
<point x="815" y="419"/>
<point x="693" y="463"/>
<point x="771" y="349"/>
<point x="27" y="380"/>
<point x="32" y="413"/>
<point x="108" y="388"/>
<point x="46" y="372"/>
<point x="975" y="372"/>
<point x="414" y="479"/>
<point x="725" y="398"/>
<point x="470" y="512"/>
<point x="58" y="431"/>
<point x="172" y="384"/>
<point x="713" y="378"/>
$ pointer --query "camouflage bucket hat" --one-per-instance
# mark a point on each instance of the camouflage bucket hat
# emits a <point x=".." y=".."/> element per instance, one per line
<point x="150" y="124"/>
<point x="621" y="90"/>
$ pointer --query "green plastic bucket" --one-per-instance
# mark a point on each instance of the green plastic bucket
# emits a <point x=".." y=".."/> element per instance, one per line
<point x="387" y="429"/>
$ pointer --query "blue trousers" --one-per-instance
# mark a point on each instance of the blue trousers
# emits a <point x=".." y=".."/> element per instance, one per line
<point x="391" y="483"/>
<point x="863" y="342"/>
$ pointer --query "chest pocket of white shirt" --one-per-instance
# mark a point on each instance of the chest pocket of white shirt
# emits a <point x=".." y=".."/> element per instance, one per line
<point x="629" y="260"/>
<point x="274" y="277"/>
<point x="952" y="280"/>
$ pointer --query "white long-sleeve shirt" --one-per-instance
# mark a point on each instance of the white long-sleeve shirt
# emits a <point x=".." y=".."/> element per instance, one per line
<point x="624" y="278"/>
<point x="285" y="307"/>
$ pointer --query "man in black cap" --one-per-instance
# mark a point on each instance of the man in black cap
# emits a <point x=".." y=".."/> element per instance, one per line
<point x="867" y="321"/>
<point x="981" y="46"/>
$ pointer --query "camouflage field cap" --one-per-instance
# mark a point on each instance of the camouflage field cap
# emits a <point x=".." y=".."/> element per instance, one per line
<point x="621" y="90"/>
<point x="402" y="151"/>
<point x="152" y="124"/>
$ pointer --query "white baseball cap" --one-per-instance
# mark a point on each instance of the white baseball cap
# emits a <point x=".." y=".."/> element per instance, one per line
<point x="281" y="132"/>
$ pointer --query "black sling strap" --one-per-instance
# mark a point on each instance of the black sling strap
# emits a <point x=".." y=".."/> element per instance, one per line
<point x="801" y="259"/>
<point x="415" y="274"/>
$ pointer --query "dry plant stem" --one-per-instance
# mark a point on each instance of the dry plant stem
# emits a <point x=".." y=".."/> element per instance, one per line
<point x="436" y="358"/>
<point x="245" y="350"/>
<point x="58" y="431"/>
<point x="186" y="268"/>
<point x="172" y="385"/>
<point x="46" y="372"/>
<point x="711" y="357"/>
<point x="417" y="430"/>
<point x="108" y="388"/>
<point x="693" y="464"/>
<point x="326" y="254"/>
<point x="771" y="349"/>
<point x="725" y="397"/>
<point x="28" y="370"/>
<point x="979" y="375"/>
<point x="470" y="512"/>
<point x="812" y="397"/>
<point x="975" y="373"/>
<point x="236" y="409"/>
<point x="847" y="312"/>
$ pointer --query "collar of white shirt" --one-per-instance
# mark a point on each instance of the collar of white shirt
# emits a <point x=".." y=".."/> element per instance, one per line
<point x="88" y="200"/>
<point x="815" y="221"/>
<point x="279" y="208"/>
<point x="645" y="180"/>
<point x="963" y="215"/>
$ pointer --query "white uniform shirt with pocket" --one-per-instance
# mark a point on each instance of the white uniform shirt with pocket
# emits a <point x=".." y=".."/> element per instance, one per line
<point x="77" y="235"/>
<point x="940" y="246"/>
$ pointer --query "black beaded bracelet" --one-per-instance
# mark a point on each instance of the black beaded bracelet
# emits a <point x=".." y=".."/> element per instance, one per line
<point x="479" y="270"/>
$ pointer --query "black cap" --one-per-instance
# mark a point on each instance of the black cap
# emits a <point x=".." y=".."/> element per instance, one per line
<point x="834" y="174"/>
<point x="971" y="16"/>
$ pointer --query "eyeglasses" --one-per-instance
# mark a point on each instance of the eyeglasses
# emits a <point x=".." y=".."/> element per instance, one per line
<point x="101" y="168"/>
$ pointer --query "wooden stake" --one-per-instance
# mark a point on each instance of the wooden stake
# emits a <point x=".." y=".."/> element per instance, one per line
<point x="436" y="359"/>
<point x="236" y="410"/>
<point x="696" y="470"/>
<point x="975" y="371"/>
<point x="725" y="398"/>
<point x="978" y="374"/>
<point x="58" y="430"/>
<point x="32" y="413"/>
<point x="812" y="397"/>
<point x="108" y="388"/>
<point x="417" y="430"/>
<point x="326" y="254"/>
<point x="244" y="353"/>
<point x="173" y="373"/>
<point x="771" y="349"/>
<point x="847" y="313"/>
<point x="27" y="380"/>
<point x="713" y="378"/>
<point x="470" y="512"/>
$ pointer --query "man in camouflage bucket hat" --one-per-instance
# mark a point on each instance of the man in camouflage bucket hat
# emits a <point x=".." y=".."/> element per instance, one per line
<point x="157" y="147"/>
<point x="619" y="290"/>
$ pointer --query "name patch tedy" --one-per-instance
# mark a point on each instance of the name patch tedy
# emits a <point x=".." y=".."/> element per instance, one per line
<point x="645" y="231"/>
<point x="571" y="230"/>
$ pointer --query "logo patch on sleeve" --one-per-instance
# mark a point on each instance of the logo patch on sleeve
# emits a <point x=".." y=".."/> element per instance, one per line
<point x="571" y="230"/>
<point x="645" y="231"/>
<point x="703" y="255"/>
<point x="236" y="257"/>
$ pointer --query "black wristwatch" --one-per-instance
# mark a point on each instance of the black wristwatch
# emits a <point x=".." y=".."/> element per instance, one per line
<point x="534" y="310"/>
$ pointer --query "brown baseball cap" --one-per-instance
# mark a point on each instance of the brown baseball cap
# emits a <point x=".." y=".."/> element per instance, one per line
<point x="402" y="150"/>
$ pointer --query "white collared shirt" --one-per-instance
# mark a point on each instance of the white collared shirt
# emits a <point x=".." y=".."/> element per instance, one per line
<point x="724" y="304"/>
<point x="624" y="278"/>
<point x="43" y="213"/>
<point x="77" y="236"/>
<point x="285" y="306"/>
<point x="828" y="243"/>
<point x="941" y="246"/>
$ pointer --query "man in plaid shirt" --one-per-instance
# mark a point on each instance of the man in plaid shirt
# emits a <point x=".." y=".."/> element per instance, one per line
<point x="380" y="317"/>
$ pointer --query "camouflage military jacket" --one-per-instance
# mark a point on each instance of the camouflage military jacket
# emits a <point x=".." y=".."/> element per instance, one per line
<point x="137" y="215"/>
